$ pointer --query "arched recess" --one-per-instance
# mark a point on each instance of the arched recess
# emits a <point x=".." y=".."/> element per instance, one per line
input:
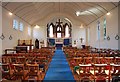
<point x="59" y="31"/>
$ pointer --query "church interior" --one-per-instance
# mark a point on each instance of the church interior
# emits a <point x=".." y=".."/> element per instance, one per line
<point x="59" y="41"/>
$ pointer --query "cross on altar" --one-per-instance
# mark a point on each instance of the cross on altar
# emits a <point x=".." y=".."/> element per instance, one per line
<point x="59" y="23"/>
<point x="81" y="39"/>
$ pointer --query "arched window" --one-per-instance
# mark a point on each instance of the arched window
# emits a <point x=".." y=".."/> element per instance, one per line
<point x="59" y="29"/>
<point x="51" y="31"/>
<point x="67" y="31"/>
<point x="21" y="26"/>
<point x="98" y="30"/>
<point x="104" y="28"/>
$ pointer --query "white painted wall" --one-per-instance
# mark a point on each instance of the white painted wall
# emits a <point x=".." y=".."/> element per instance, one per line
<point x="37" y="33"/>
<point x="119" y="26"/>
<point x="0" y="39"/>
<point x="0" y="30"/>
<point x="78" y="33"/>
<point x="112" y="31"/>
<point x="40" y="34"/>
<point x="7" y="30"/>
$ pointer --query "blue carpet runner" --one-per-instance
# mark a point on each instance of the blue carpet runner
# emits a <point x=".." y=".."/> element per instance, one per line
<point x="59" y="70"/>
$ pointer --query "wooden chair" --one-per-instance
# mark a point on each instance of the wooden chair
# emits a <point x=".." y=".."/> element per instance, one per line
<point x="5" y="59"/>
<point x="80" y="54"/>
<point x="109" y="60"/>
<point x="116" y="70"/>
<point x="100" y="70"/>
<point x="20" y="60"/>
<point x="100" y="78"/>
<point x="19" y="72"/>
<point x="6" y="71"/>
<point x="116" y="66"/>
<point x="84" y="71"/>
<point x="33" y="71"/>
<point x="117" y="60"/>
<point x="78" y="60"/>
<point x="88" y="60"/>
<point x="85" y="79"/>
<point x="99" y="60"/>
<point x="42" y="62"/>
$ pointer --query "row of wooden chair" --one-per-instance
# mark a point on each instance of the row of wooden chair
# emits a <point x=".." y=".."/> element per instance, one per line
<point x="25" y="66"/>
<point x="95" y="60"/>
<point x="23" y="59"/>
<point x="21" y="71"/>
<point x="92" y="65"/>
<point x="71" y="52"/>
<point x="94" y="71"/>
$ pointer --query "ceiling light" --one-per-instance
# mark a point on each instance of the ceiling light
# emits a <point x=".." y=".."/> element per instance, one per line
<point x="77" y="13"/>
<point x="10" y="13"/>
<point x="81" y="26"/>
<point x="108" y="13"/>
<point x="36" y="26"/>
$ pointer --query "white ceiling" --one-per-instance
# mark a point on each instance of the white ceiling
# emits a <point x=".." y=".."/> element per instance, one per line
<point x="37" y="12"/>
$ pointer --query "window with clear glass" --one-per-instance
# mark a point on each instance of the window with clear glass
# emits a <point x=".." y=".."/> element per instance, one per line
<point x="67" y="31"/>
<point x="88" y="34"/>
<point x="15" y="24"/>
<point x="104" y="28"/>
<point x="59" y="30"/>
<point x="98" y="30"/>
<point x="29" y="31"/>
<point x="51" y="31"/>
<point x="21" y="26"/>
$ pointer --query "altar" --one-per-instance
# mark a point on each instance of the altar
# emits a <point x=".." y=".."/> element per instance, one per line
<point x="59" y="46"/>
<point x="59" y="43"/>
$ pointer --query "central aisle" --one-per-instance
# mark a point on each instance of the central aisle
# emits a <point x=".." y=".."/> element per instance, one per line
<point x="59" y="68"/>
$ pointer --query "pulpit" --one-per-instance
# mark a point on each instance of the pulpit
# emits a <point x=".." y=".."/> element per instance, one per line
<point x="20" y="49"/>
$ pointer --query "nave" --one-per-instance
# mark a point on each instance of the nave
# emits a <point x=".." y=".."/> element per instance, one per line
<point x="59" y="69"/>
<point x="59" y="41"/>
